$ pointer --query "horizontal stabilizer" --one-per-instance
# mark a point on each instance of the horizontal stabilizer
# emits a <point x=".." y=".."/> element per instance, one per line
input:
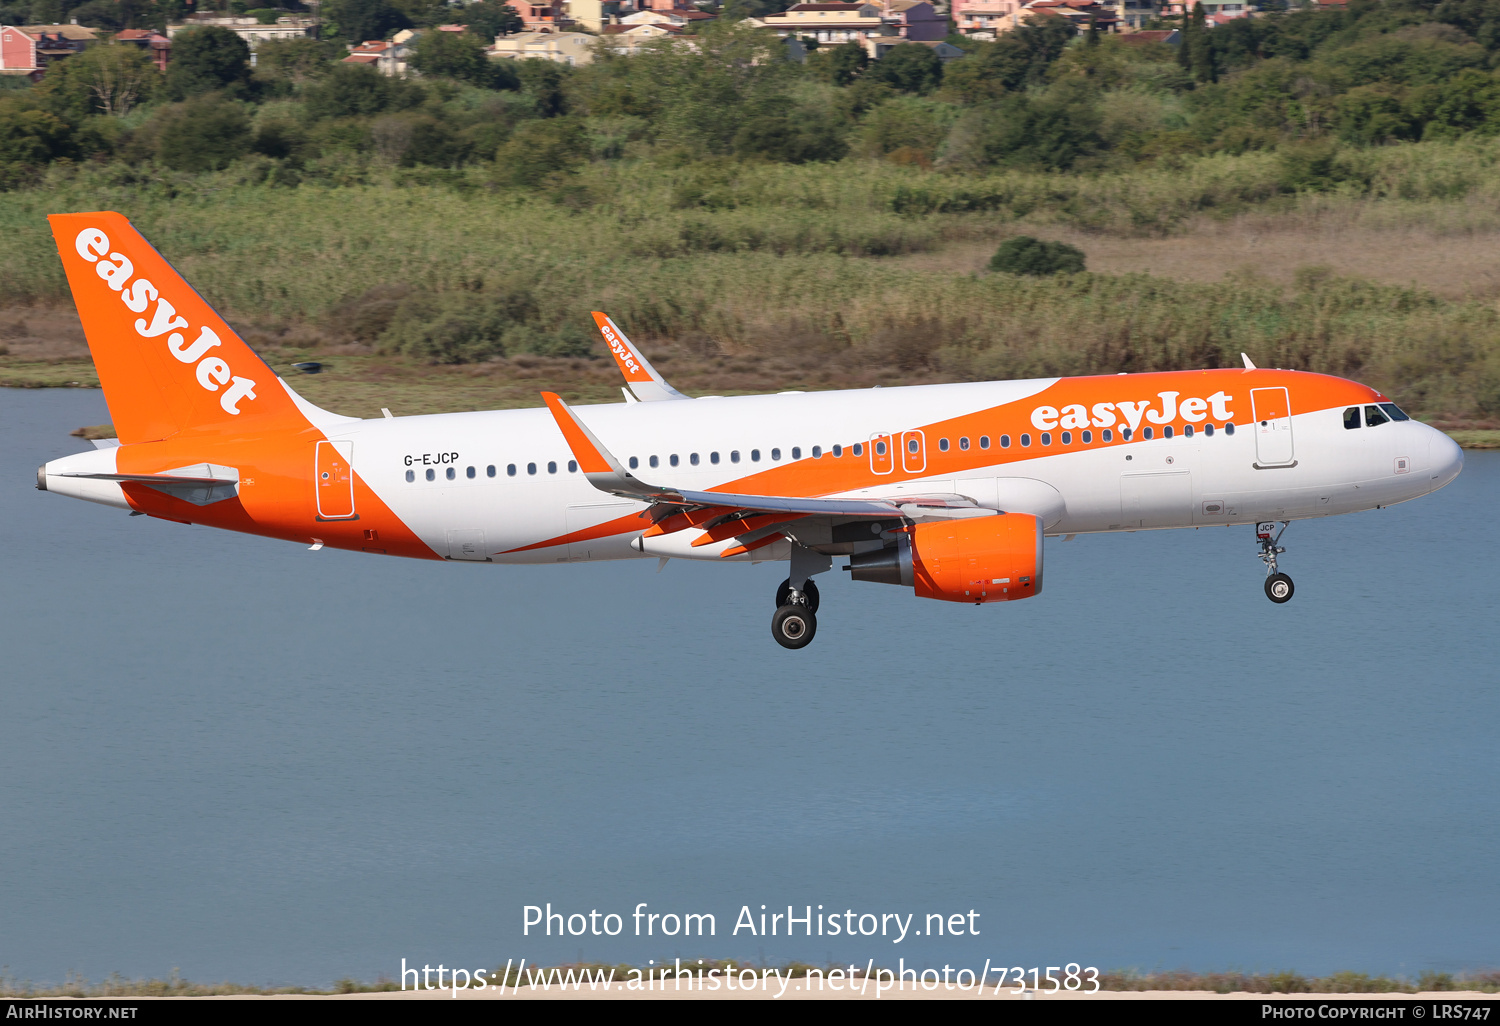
<point x="201" y="484"/>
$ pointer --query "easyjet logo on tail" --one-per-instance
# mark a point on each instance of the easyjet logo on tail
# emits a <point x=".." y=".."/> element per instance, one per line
<point x="212" y="372"/>
<point x="621" y="350"/>
<point x="1193" y="410"/>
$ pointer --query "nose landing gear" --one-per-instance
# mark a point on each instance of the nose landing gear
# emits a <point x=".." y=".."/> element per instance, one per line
<point x="1279" y="587"/>
<point x="795" y="621"/>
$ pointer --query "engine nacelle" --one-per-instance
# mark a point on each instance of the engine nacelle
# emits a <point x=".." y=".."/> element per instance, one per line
<point x="975" y="559"/>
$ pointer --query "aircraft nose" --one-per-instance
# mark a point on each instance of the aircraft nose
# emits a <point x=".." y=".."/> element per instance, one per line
<point x="1444" y="457"/>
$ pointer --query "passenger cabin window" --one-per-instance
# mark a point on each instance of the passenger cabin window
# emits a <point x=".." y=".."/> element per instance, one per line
<point x="1067" y="438"/>
<point x="963" y="443"/>
<point x="531" y="468"/>
<point x="1351" y="418"/>
<point x="1088" y="436"/>
<point x="1229" y="428"/>
<point x="942" y="445"/>
<point x="912" y="446"/>
<point x="654" y="461"/>
<point x="489" y="471"/>
<point x="1394" y="411"/>
<point x="1125" y="434"/>
<point x="879" y="448"/>
<point x="1166" y="432"/>
<point x="411" y="475"/>
<point x="1208" y="429"/>
<point x="1148" y="433"/>
<point x="510" y="470"/>
<point x="634" y="463"/>
<point x="817" y="452"/>
<point x="1046" y="437"/>
<point x="796" y="452"/>
<point x="984" y="441"/>
<point x="776" y="454"/>
<point x="838" y="450"/>
<point x="452" y="473"/>
<point x="713" y="458"/>
<point x="1004" y="442"/>
<point x="1025" y="440"/>
<point x="1187" y="432"/>
<point x="572" y="466"/>
<point x="859" y="449"/>
<point x="673" y="460"/>
<point x="754" y="455"/>
<point x="470" y="473"/>
<point x="1107" y="435"/>
<point x="551" y="466"/>
<point x="693" y="459"/>
<point x="431" y="474"/>
<point x="734" y="457"/>
<point x="1374" y="417"/>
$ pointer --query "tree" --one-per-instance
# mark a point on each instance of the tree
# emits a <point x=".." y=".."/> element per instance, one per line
<point x="541" y="148"/>
<point x="908" y="67"/>
<point x="351" y="90"/>
<point x="1022" y="254"/>
<point x="107" y="79"/>
<point x="490" y="18"/>
<point x="1018" y="59"/>
<point x="294" y="61"/>
<point x="1196" y="51"/>
<point x="358" y="20"/>
<point x="840" y="64"/>
<point x="206" y="60"/>
<point x="791" y="140"/>
<point x="33" y="137"/>
<point x="203" y="134"/>
<point x="456" y="55"/>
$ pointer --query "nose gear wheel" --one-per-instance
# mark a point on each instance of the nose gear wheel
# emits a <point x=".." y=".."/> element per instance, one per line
<point x="793" y="626"/>
<point x="1279" y="587"/>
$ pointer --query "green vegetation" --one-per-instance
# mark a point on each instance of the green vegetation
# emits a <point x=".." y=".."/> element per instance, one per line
<point x="1022" y="254"/>
<point x="761" y="224"/>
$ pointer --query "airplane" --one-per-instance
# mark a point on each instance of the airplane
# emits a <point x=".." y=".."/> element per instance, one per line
<point x="948" y="490"/>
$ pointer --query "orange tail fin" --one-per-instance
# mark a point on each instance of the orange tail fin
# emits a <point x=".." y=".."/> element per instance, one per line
<point x="168" y="363"/>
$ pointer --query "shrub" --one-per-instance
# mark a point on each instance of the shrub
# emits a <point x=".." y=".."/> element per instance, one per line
<point x="1023" y="254"/>
<point x="203" y="135"/>
<point x="460" y="327"/>
<point x="206" y="59"/>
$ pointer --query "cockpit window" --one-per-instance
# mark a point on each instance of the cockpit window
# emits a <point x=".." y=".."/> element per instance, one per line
<point x="1351" y="418"/>
<point x="1394" y="411"/>
<point x="1373" y="416"/>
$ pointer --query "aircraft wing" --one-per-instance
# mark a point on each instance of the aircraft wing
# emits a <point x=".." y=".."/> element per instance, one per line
<point x="644" y="381"/>
<point x="734" y="514"/>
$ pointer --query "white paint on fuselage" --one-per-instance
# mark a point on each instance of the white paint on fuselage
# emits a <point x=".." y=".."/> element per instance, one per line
<point x="1336" y="470"/>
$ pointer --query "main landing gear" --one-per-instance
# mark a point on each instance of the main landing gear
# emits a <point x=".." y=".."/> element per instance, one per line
<point x="1279" y="587"/>
<point x="795" y="621"/>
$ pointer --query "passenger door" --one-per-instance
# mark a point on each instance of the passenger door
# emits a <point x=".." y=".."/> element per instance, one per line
<point x="333" y="480"/>
<point x="1273" y="426"/>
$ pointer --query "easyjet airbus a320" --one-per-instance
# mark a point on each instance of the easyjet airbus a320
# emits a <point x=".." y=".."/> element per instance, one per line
<point x="945" y="489"/>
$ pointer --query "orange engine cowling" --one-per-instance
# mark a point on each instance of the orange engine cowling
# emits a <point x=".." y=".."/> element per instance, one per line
<point x="976" y="559"/>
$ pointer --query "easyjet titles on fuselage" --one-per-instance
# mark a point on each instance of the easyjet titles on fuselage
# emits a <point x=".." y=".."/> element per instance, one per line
<point x="1192" y="410"/>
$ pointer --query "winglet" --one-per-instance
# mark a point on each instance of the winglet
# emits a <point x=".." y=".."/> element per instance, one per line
<point x="1248" y="364"/>
<point x="646" y="384"/>
<point x="598" y="463"/>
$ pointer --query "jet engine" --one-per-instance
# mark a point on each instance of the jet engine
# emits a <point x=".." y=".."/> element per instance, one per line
<point x="975" y="559"/>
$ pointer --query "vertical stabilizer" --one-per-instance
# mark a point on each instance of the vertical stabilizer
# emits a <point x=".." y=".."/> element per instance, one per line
<point x="168" y="363"/>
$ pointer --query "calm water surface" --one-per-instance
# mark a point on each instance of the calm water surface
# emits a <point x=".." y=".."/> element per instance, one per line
<point x="254" y="762"/>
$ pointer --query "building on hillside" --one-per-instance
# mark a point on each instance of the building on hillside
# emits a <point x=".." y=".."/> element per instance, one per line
<point x="1147" y="36"/>
<point x="827" y="23"/>
<point x="1082" y="13"/>
<point x="878" y="46"/>
<point x="541" y="16"/>
<point x="917" y="20"/>
<point x="1214" y="12"/>
<point x="595" y="14"/>
<point x="388" y="58"/>
<point x="28" y="49"/>
<point x="572" y="48"/>
<point x="157" y="46"/>
<point x="986" y="19"/>
<point x="250" y="29"/>
<point x="626" y="40"/>
<point x="682" y="17"/>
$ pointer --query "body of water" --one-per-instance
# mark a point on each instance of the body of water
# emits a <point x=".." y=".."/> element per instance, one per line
<point x="250" y="761"/>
